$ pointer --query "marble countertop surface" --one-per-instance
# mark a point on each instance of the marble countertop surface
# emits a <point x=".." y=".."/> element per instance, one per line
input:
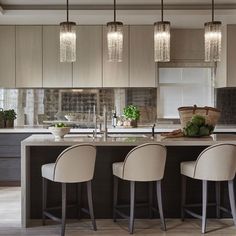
<point x="126" y="140"/>
<point x="142" y="129"/>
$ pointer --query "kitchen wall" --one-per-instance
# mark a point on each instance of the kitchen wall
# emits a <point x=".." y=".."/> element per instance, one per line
<point x="34" y="106"/>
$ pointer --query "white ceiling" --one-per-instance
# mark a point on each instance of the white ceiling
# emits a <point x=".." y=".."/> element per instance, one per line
<point x="24" y="12"/>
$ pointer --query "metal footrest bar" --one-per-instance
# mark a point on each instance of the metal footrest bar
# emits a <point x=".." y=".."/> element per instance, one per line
<point x="136" y="205"/>
<point x="199" y="205"/>
<point x="225" y="209"/>
<point x="123" y="215"/>
<point x="85" y="210"/>
<point x="193" y="214"/>
<point x="59" y="207"/>
<point x="52" y="217"/>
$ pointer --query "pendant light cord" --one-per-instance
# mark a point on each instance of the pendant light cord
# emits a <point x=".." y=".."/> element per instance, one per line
<point x="114" y="10"/>
<point x="162" y="9"/>
<point x="67" y="10"/>
<point x="212" y="9"/>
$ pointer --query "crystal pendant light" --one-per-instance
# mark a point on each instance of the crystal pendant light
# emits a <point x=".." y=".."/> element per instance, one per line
<point x="67" y="39"/>
<point x="212" y="39"/>
<point x="115" y="39"/>
<point x="162" y="39"/>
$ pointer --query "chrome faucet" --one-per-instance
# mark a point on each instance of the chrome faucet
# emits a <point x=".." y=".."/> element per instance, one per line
<point x="104" y="122"/>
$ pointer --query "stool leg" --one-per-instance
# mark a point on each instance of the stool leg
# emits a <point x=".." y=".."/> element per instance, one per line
<point x="115" y="196"/>
<point x="159" y="202"/>
<point x="44" y="199"/>
<point x="218" y="200"/>
<point x="90" y="204"/>
<point x="132" y="203"/>
<point x="232" y="199"/>
<point x="63" y="218"/>
<point x="150" y="199"/>
<point x="78" y="198"/>
<point x="204" y="205"/>
<point x="183" y="195"/>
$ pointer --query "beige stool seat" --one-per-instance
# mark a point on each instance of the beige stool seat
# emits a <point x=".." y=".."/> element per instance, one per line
<point x="216" y="163"/>
<point x="187" y="168"/>
<point x="145" y="163"/>
<point x="48" y="171"/>
<point x="74" y="165"/>
<point x="118" y="169"/>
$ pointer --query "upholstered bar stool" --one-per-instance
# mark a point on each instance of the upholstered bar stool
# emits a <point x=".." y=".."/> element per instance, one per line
<point x="145" y="163"/>
<point x="216" y="163"/>
<point x="74" y="165"/>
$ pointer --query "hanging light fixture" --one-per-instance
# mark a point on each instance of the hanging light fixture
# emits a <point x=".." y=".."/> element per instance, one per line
<point x="115" y="39"/>
<point x="213" y="37"/>
<point x="67" y="39"/>
<point x="162" y="39"/>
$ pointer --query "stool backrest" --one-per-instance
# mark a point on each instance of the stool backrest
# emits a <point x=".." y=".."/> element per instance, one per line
<point x="216" y="163"/>
<point x="75" y="164"/>
<point x="145" y="163"/>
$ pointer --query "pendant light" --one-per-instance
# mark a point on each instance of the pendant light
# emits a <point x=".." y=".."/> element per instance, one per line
<point x="67" y="39"/>
<point x="162" y="39"/>
<point x="213" y="37"/>
<point x="115" y="39"/>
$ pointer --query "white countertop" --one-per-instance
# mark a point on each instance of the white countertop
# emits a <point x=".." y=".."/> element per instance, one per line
<point x="72" y="139"/>
<point x="142" y="129"/>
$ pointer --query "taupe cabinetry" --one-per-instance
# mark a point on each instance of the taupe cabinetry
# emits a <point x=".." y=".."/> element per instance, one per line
<point x="29" y="56"/>
<point x="7" y="56"/>
<point x="116" y="74"/>
<point x="142" y="65"/>
<point x="87" y="70"/>
<point x="231" y="56"/>
<point x="55" y="73"/>
<point x="187" y="44"/>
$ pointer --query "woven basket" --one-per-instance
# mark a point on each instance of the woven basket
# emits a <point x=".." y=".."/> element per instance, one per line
<point x="211" y="114"/>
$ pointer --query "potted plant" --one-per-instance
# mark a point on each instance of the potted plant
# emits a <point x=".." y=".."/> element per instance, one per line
<point x="132" y="115"/>
<point x="2" y="121"/>
<point x="9" y="117"/>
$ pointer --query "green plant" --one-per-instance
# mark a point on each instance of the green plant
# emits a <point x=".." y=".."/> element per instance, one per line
<point x="131" y="112"/>
<point x="10" y="114"/>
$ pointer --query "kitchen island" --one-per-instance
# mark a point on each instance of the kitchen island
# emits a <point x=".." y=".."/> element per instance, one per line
<point x="37" y="150"/>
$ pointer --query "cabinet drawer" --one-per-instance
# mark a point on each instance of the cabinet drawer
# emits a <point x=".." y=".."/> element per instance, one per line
<point x="12" y="139"/>
<point x="9" y="169"/>
<point x="10" y="151"/>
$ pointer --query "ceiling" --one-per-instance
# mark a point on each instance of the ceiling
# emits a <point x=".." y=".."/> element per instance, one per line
<point x="181" y="13"/>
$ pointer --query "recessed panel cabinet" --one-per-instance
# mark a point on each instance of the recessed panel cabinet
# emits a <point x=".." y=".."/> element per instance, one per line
<point x="87" y="70"/>
<point x="7" y="56"/>
<point x="55" y="73"/>
<point x="142" y="65"/>
<point x="29" y="56"/>
<point x="116" y="74"/>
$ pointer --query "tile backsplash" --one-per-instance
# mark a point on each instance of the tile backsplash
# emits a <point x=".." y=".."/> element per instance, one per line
<point x="34" y="106"/>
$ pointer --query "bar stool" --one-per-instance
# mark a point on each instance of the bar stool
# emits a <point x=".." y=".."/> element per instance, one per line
<point x="216" y="163"/>
<point x="74" y="165"/>
<point x="145" y="163"/>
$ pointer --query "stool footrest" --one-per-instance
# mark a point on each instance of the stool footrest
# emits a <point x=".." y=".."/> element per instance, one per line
<point x="198" y="205"/>
<point x="85" y="210"/>
<point x="123" y="215"/>
<point x="193" y="214"/>
<point x="52" y="217"/>
<point x="225" y="209"/>
<point x="141" y="204"/>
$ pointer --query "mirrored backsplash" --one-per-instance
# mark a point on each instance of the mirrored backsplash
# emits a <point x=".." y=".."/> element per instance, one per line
<point x="40" y="106"/>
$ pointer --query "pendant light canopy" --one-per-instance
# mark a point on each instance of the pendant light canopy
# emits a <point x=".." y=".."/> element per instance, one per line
<point x="162" y="39"/>
<point x="67" y="39"/>
<point x="213" y="37"/>
<point x="115" y="39"/>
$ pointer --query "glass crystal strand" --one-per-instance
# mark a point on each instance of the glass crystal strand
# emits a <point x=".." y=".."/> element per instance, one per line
<point x="67" y="42"/>
<point x="213" y="41"/>
<point x="162" y="41"/>
<point x="115" y="41"/>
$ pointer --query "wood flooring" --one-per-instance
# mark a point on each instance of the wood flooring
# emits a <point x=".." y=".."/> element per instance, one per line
<point x="10" y="224"/>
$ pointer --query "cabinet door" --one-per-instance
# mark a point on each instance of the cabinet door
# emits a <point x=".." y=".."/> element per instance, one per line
<point x="142" y="65"/>
<point x="29" y="56"/>
<point x="7" y="56"/>
<point x="87" y="70"/>
<point x="55" y="73"/>
<point x="116" y="74"/>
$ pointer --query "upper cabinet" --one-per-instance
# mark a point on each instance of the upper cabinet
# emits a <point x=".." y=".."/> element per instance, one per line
<point x="87" y="70"/>
<point x="142" y="65"/>
<point x="187" y="44"/>
<point x="7" y="56"/>
<point x="55" y="73"/>
<point x="116" y="74"/>
<point x="29" y="56"/>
